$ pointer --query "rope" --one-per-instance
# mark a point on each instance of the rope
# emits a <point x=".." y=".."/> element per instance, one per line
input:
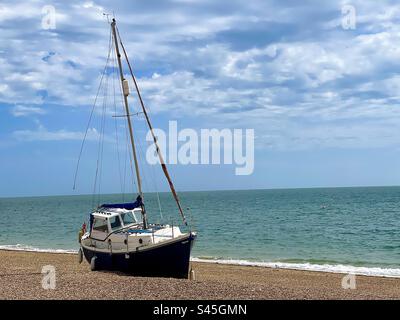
<point x="102" y="125"/>
<point x="90" y="117"/>
<point x="115" y="122"/>
<point x="101" y="138"/>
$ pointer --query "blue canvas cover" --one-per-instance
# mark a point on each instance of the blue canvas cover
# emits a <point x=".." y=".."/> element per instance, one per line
<point x="128" y="205"/>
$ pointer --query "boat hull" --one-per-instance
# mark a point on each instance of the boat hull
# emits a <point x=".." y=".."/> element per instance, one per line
<point x="171" y="259"/>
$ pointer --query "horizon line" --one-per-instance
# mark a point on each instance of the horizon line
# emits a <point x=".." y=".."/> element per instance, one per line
<point x="217" y="190"/>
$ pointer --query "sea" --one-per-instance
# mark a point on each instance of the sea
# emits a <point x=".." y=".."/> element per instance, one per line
<point x="346" y="230"/>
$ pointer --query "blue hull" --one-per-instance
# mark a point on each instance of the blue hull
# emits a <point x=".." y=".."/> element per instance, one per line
<point x="169" y="260"/>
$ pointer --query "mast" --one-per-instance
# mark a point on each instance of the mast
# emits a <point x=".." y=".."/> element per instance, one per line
<point x="162" y="162"/>
<point x="128" y="116"/>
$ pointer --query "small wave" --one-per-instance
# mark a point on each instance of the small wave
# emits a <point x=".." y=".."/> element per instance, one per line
<point x="21" y="247"/>
<point x="332" y="268"/>
<point x="207" y="258"/>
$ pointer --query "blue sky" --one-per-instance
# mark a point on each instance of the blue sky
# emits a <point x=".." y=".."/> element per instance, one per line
<point x="323" y="100"/>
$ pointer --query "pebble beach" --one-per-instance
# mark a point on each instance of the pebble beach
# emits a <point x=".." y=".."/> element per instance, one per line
<point x="21" y="278"/>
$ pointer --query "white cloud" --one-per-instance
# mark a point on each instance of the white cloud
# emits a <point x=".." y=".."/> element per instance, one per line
<point x="22" y="111"/>
<point x="266" y="65"/>
<point x="42" y="134"/>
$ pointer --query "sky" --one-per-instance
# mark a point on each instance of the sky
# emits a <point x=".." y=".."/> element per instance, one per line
<point x="321" y="97"/>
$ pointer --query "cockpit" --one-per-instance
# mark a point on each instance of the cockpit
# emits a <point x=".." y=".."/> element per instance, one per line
<point x="105" y="222"/>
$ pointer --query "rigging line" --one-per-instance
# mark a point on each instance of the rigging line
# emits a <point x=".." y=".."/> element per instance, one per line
<point x="125" y="158"/>
<point x="115" y="121"/>
<point x="126" y="147"/>
<point x="156" y="188"/>
<point x="141" y="158"/>
<point x="101" y="142"/>
<point x="96" y="172"/>
<point x="128" y="154"/>
<point x="140" y="153"/>
<point x="90" y="117"/>
<point x="133" y="182"/>
<point x="105" y="101"/>
<point x="120" y="102"/>
<point x="97" y="163"/>
<point x="97" y="176"/>
<point x="163" y="165"/>
<point x="101" y="137"/>
<point x="159" y="204"/>
<point x="154" y="180"/>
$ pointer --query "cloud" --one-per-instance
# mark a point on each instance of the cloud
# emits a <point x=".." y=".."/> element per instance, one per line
<point x="42" y="134"/>
<point x="285" y="68"/>
<point x="22" y="111"/>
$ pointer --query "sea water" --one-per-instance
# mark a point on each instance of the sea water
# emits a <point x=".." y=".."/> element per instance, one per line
<point x="327" y="229"/>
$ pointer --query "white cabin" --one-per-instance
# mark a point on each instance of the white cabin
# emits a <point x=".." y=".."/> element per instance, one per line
<point x="122" y="230"/>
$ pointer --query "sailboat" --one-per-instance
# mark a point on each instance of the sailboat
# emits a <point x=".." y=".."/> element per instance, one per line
<point x="119" y="236"/>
